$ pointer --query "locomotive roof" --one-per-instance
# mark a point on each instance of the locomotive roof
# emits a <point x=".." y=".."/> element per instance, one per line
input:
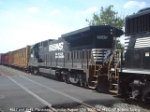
<point x="44" y="41"/>
<point x="103" y="29"/>
<point x="139" y="13"/>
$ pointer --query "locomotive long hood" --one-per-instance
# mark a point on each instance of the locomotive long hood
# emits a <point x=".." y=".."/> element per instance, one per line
<point x="93" y="30"/>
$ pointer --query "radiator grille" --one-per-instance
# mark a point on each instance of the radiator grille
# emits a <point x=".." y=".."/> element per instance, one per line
<point x="142" y="42"/>
<point x="100" y="54"/>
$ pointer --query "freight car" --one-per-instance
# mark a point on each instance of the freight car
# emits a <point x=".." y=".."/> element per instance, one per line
<point x="82" y="57"/>
<point x="4" y="59"/>
<point x="18" y="58"/>
<point x="134" y="75"/>
<point x="0" y="58"/>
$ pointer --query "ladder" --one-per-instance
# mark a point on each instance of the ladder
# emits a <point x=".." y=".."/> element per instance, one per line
<point x="113" y="74"/>
<point x="93" y="72"/>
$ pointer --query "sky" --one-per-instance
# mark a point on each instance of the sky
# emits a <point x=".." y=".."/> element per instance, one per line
<point x="25" y="22"/>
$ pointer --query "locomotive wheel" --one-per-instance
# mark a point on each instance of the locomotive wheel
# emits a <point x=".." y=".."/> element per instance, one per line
<point x="147" y="100"/>
<point x="59" y="76"/>
<point x="66" y="78"/>
<point x="146" y="94"/>
<point x="35" y="71"/>
<point x="85" y="85"/>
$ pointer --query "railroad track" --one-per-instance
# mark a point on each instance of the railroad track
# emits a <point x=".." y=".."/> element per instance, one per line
<point x="4" y="72"/>
<point x="83" y="107"/>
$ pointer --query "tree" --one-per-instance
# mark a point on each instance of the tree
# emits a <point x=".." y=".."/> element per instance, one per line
<point x="119" y="45"/>
<point x="108" y="16"/>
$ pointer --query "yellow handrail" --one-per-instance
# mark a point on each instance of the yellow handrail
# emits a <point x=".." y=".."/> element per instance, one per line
<point x="109" y="65"/>
<point x="90" y="58"/>
<point x="116" y="70"/>
<point x="95" y="65"/>
<point x="89" y="63"/>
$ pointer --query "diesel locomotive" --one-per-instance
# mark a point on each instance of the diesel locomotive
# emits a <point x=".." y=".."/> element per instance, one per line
<point x="82" y="57"/>
<point x="134" y="75"/>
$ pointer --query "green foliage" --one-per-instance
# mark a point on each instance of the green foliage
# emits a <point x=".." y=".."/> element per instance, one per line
<point x="119" y="45"/>
<point x="107" y="16"/>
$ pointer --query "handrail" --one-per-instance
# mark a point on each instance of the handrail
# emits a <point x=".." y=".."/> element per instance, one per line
<point x="117" y="63"/>
<point x="90" y="58"/>
<point x="110" y="64"/>
<point x="89" y="63"/>
<point x="95" y="65"/>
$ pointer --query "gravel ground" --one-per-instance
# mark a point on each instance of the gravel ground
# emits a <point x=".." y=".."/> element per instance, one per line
<point x="122" y="107"/>
<point x="118" y="107"/>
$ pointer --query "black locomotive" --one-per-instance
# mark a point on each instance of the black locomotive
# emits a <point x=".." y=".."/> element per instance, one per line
<point x="81" y="57"/>
<point x="134" y="75"/>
